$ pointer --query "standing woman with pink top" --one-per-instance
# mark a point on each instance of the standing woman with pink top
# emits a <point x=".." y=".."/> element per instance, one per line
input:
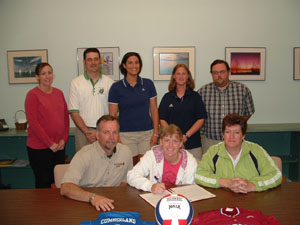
<point x="48" y="119"/>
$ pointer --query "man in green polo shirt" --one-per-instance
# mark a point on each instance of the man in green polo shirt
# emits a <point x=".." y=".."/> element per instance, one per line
<point x="88" y="98"/>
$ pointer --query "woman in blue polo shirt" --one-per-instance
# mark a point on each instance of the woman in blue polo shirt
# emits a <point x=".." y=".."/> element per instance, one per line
<point x="136" y="100"/>
<point x="184" y="107"/>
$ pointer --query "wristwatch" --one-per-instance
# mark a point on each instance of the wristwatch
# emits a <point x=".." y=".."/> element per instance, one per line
<point x="92" y="196"/>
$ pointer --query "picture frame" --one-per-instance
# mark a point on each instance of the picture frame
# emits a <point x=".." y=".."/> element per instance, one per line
<point x="246" y="63"/>
<point x="297" y="63"/>
<point x="22" y="63"/>
<point x="166" y="58"/>
<point x="110" y="60"/>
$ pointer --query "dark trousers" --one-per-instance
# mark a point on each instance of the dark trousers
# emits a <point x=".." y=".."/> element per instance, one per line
<point x="42" y="162"/>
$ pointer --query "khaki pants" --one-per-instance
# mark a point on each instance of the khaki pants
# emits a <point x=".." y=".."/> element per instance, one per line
<point x="80" y="139"/>
<point x="138" y="142"/>
<point x="207" y="142"/>
<point x="196" y="152"/>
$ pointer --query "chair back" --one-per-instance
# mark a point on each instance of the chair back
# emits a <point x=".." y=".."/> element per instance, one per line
<point x="59" y="172"/>
<point x="136" y="159"/>
<point x="277" y="161"/>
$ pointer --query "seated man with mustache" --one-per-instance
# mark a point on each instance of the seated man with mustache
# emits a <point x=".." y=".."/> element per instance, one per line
<point x="103" y="163"/>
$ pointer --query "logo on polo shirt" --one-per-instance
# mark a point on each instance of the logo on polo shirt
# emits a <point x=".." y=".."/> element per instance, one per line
<point x="171" y="105"/>
<point x="143" y="89"/>
<point x="119" y="164"/>
<point x="101" y="90"/>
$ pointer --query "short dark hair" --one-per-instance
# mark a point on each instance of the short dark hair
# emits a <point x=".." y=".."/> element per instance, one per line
<point x="124" y="60"/>
<point x="88" y="50"/>
<point x="190" y="84"/>
<point x="234" y="119"/>
<point x="219" y="61"/>
<point x="106" y="118"/>
<point x="40" y="66"/>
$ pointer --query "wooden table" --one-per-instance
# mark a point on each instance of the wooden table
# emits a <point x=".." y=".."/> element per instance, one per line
<point x="47" y="206"/>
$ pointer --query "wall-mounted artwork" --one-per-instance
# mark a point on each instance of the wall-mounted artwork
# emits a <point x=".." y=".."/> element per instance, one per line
<point x="109" y="61"/>
<point x="297" y="63"/>
<point x="166" y="58"/>
<point x="21" y="65"/>
<point x="246" y="63"/>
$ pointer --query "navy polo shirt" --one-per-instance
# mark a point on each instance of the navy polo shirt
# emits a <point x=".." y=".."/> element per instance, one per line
<point x="133" y="103"/>
<point x="183" y="112"/>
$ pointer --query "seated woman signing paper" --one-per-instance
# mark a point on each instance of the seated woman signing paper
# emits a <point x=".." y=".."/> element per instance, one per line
<point x="239" y="165"/>
<point x="165" y="164"/>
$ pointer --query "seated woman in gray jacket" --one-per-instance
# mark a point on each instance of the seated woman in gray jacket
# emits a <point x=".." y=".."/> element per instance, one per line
<point x="165" y="164"/>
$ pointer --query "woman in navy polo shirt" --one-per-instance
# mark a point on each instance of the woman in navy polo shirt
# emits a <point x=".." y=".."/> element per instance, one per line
<point x="184" y="107"/>
<point x="136" y="100"/>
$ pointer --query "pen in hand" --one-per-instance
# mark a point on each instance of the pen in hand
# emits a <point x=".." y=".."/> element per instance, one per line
<point x="159" y="187"/>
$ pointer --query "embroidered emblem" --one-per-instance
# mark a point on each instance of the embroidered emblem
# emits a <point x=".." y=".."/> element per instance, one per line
<point x="171" y="105"/>
<point x="101" y="90"/>
<point x="230" y="212"/>
<point x="119" y="164"/>
<point x="143" y="89"/>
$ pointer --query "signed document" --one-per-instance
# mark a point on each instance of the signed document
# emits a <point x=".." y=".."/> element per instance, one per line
<point x="192" y="192"/>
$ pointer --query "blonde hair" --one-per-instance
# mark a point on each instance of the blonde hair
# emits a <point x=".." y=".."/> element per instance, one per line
<point x="190" y="83"/>
<point x="171" y="129"/>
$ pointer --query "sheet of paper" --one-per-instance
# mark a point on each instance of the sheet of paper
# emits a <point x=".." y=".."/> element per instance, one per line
<point x="153" y="199"/>
<point x="193" y="192"/>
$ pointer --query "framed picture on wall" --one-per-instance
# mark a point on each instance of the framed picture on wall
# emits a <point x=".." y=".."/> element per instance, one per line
<point x="21" y="65"/>
<point x="166" y="58"/>
<point x="297" y="63"/>
<point x="110" y="57"/>
<point x="246" y="63"/>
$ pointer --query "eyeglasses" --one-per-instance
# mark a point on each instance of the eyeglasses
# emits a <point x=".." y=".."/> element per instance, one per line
<point x="222" y="72"/>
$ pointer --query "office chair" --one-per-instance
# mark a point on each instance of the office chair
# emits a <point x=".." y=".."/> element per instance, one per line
<point x="59" y="172"/>
<point x="277" y="161"/>
<point x="136" y="159"/>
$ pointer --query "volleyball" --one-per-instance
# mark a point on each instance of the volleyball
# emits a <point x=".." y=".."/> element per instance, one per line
<point x="174" y="209"/>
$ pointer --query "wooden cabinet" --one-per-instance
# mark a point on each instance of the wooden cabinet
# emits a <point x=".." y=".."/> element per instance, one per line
<point x="13" y="146"/>
<point x="281" y="140"/>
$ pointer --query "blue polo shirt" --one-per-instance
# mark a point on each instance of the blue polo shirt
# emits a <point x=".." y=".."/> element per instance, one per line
<point x="133" y="103"/>
<point x="183" y="112"/>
